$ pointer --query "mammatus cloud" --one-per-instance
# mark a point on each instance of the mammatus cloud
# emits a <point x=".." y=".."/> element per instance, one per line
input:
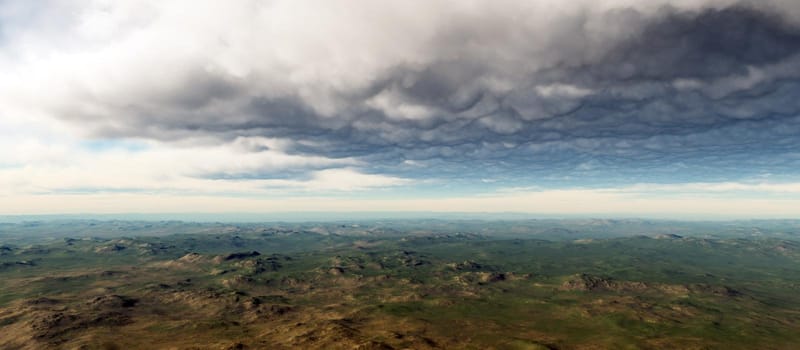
<point x="589" y="93"/>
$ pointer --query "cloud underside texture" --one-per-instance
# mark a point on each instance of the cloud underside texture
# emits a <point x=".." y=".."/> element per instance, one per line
<point x="659" y="92"/>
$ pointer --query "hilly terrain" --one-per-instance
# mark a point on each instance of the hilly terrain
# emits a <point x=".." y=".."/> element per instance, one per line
<point x="428" y="284"/>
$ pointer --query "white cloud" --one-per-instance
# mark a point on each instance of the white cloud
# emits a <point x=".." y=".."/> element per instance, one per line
<point x="562" y="90"/>
<point x="715" y="188"/>
<point x="31" y="165"/>
<point x="555" y="202"/>
<point x="347" y="179"/>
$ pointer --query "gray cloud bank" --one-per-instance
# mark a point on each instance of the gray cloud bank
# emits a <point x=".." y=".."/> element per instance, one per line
<point x="659" y="89"/>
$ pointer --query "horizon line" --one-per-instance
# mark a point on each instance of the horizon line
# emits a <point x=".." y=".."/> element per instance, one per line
<point x="309" y="216"/>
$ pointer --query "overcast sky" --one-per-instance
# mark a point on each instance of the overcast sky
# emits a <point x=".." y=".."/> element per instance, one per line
<point x="613" y="107"/>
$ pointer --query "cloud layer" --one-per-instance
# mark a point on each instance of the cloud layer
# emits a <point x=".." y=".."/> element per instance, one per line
<point x="589" y="93"/>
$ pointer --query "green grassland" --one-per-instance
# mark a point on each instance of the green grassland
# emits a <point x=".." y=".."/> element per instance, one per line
<point x="400" y="284"/>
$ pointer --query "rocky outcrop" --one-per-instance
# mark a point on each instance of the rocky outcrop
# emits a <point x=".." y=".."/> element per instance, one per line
<point x="236" y="256"/>
<point x="12" y="264"/>
<point x="585" y="282"/>
<point x="590" y="283"/>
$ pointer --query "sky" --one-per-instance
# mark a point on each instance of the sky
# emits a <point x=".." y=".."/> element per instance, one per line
<point x="670" y="108"/>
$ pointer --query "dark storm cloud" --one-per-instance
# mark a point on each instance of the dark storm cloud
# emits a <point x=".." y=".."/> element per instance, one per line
<point x="714" y="89"/>
<point x="710" y="44"/>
